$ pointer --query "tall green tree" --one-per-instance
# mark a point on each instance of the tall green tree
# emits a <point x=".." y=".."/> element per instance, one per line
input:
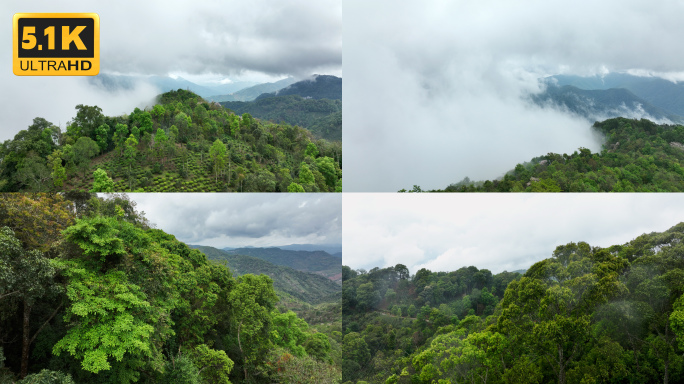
<point x="84" y="150"/>
<point x="25" y="276"/>
<point x="252" y="301"/>
<point x="218" y="155"/>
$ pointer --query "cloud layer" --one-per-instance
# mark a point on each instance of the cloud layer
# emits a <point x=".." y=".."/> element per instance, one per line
<point x="494" y="231"/>
<point x="436" y="91"/>
<point x="256" y="219"/>
<point x="234" y="38"/>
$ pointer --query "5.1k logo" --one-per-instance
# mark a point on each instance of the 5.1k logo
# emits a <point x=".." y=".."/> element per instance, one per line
<point x="56" y="44"/>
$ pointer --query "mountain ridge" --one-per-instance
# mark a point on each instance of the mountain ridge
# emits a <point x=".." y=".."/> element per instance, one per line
<point x="308" y="287"/>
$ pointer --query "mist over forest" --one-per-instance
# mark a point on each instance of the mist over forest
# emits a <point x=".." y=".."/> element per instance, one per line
<point x="429" y="106"/>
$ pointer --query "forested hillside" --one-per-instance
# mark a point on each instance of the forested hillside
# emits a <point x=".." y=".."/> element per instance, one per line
<point x="315" y="104"/>
<point x="90" y="293"/>
<point x="182" y="144"/>
<point x="323" y="117"/>
<point x="637" y="156"/>
<point x="318" y="262"/>
<point x="584" y="315"/>
<point x="307" y="287"/>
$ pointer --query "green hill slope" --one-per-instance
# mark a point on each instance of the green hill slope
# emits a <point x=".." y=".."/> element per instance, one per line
<point x="182" y="144"/>
<point x="318" y="262"/>
<point x="323" y="117"/>
<point x="307" y="287"/>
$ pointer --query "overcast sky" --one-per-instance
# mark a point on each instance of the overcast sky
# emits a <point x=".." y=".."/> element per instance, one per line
<point x="250" y="219"/>
<point x="259" y="40"/>
<point x="434" y="90"/>
<point x="444" y="232"/>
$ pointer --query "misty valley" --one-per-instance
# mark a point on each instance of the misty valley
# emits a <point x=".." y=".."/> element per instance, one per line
<point x="584" y="315"/>
<point x="637" y="156"/>
<point x="638" y="121"/>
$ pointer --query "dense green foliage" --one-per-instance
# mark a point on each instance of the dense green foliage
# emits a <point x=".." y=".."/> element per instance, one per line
<point x="638" y="156"/>
<point x="318" y="262"/>
<point x="307" y="287"/>
<point x="323" y="117"/>
<point x="170" y="147"/>
<point x="585" y="315"/>
<point x="388" y="314"/>
<point x="101" y="297"/>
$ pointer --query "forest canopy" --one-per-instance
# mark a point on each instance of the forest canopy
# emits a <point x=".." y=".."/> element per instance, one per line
<point x="91" y="292"/>
<point x="584" y="315"/>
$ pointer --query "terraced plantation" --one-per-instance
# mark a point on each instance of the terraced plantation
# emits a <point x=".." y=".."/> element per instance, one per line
<point x="182" y="144"/>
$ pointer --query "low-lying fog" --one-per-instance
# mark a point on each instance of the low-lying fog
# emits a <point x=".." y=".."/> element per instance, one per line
<point x="437" y="91"/>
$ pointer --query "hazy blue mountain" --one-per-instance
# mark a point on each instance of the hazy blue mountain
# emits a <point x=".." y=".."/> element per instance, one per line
<point x="165" y="84"/>
<point x="318" y="87"/>
<point x="659" y="92"/>
<point x="330" y="248"/>
<point x="602" y="104"/>
<point x="308" y="287"/>
<point x="251" y="93"/>
<point x="333" y="249"/>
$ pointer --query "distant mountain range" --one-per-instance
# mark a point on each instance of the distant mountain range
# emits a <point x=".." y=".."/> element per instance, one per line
<point x="165" y="84"/>
<point x="251" y="93"/>
<point x="318" y="262"/>
<point x="314" y="104"/>
<point x="308" y="287"/>
<point x="332" y="249"/>
<point x="318" y="87"/>
<point x="616" y="95"/>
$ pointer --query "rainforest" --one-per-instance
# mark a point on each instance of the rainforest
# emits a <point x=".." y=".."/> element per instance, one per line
<point x="91" y="292"/>
<point x="586" y="314"/>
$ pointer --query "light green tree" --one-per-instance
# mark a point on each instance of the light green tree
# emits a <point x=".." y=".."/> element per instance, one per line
<point x="102" y="182"/>
<point x="294" y="187"/>
<point x="218" y="155"/>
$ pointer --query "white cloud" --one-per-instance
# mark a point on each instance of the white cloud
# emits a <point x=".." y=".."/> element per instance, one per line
<point x="494" y="231"/>
<point x="256" y="219"/>
<point x="251" y="41"/>
<point x="435" y="91"/>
